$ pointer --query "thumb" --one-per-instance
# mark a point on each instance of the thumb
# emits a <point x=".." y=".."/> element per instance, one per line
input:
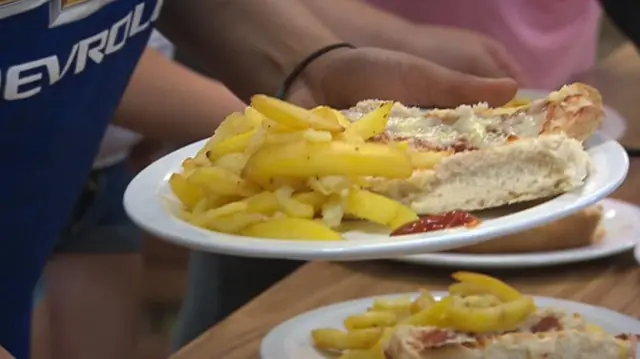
<point x="449" y="88"/>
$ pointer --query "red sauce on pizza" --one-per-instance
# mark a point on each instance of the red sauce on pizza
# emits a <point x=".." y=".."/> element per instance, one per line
<point x="438" y="222"/>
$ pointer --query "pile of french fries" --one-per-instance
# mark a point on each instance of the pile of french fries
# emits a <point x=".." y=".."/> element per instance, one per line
<point x="477" y="303"/>
<point x="517" y="102"/>
<point x="280" y="171"/>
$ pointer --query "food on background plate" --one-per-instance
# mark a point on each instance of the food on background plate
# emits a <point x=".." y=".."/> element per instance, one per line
<point x="481" y="317"/>
<point x="580" y="229"/>
<point x="281" y="171"/>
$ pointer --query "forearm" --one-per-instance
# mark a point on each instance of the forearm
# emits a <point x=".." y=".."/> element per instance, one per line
<point x="362" y="24"/>
<point x="167" y="101"/>
<point x="251" y="45"/>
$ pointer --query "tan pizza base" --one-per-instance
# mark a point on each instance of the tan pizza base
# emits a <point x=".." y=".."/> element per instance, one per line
<point x="578" y="230"/>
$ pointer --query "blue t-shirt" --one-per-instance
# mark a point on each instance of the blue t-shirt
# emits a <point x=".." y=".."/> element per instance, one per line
<point x="64" y="65"/>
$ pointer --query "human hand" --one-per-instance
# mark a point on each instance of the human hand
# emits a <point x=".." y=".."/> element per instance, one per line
<point x="462" y="50"/>
<point x="343" y="77"/>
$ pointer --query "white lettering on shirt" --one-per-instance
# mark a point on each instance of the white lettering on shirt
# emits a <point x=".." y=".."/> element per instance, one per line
<point x="27" y="79"/>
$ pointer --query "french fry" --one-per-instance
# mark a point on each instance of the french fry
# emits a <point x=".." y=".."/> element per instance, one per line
<point x="329" y="184"/>
<point x="372" y="123"/>
<point x="492" y="285"/>
<point x="334" y="339"/>
<point x="280" y="138"/>
<point x="424" y="300"/>
<point x="427" y="159"/>
<point x="291" y="229"/>
<point x="208" y="216"/>
<point x="378" y="209"/>
<point x="233" y="125"/>
<point x="503" y="317"/>
<point x="314" y="199"/>
<point x="292" y="207"/>
<point x="264" y="202"/>
<point x="221" y="182"/>
<point x="303" y="160"/>
<point x="312" y="135"/>
<point x="237" y="143"/>
<point x="333" y="211"/>
<point x="188" y="193"/>
<point x="292" y="116"/>
<point x="232" y="162"/>
<point x="371" y="319"/>
<point x="235" y="222"/>
<point x="332" y="115"/>
<point x="399" y="306"/>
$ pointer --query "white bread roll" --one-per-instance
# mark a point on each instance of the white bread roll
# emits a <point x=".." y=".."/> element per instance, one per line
<point x="502" y="156"/>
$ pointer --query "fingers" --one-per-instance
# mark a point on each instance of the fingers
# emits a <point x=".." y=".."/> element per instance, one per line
<point x="441" y="87"/>
<point x="505" y="61"/>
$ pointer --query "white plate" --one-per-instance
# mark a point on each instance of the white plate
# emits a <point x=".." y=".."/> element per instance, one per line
<point x="150" y="203"/>
<point x="614" y="125"/>
<point x="621" y="221"/>
<point x="291" y="339"/>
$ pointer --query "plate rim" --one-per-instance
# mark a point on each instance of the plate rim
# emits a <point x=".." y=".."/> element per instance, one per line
<point x="526" y="260"/>
<point x="144" y="208"/>
<point x="270" y="339"/>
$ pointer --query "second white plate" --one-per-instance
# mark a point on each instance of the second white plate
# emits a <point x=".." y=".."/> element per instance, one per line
<point x="621" y="221"/>
<point x="292" y="339"/>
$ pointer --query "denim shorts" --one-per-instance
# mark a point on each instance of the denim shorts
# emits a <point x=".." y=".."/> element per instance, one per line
<point x="99" y="224"/>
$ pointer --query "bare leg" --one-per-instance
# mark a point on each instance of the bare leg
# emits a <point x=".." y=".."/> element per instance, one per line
<point x="94" y="305"/>
<point x="40" y="338"/>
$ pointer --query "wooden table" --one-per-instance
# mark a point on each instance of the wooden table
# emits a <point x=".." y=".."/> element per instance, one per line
<point x="613" y="282"/>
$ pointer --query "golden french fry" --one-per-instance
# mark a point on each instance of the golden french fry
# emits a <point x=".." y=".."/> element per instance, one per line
<point x="400" y="306"/>
<point x="237" y="143"/>
<point x="427" y="159"/>
<point x="208" y="216"/>
<point x="371" y="124"/>
<point x="233" y="125"/>
<point x="303" y="160"/>
<point x="424" y="300"/>
<point x="332" y="115"/>
<point x="292" y="229"/>
<point x="333" y="211"/>
<point x="254" y="116"/>
<point x="492" y="285"/>
<point x="378" y="209"/>
<point x="291" y="206"/>
<point x="433" y="315"/>
<point x="377" y="350"/>
<point x="264" y="202"/>
<point x="235" y="222"/>
<point x="335" y="339"/>
<point x="292" y="116"/>
<point x="357" y="354"/>
<point x="221" y="182"/>
<point x="314" y="199"/>
<point x="188" y="193"/>
<point x="279" y="138"/>
<point x="371" y="319"/>
<point x="329" y="184"/>
<point x="232" y="162"/>
<point x="503" y="317"/>
<point x="312" y="135"/>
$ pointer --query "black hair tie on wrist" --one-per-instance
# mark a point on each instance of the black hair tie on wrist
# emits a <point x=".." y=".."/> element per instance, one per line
<point x="288" y="81"/>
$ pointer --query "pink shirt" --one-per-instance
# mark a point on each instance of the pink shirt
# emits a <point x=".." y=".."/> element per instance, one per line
<point x="552" y="40"/>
